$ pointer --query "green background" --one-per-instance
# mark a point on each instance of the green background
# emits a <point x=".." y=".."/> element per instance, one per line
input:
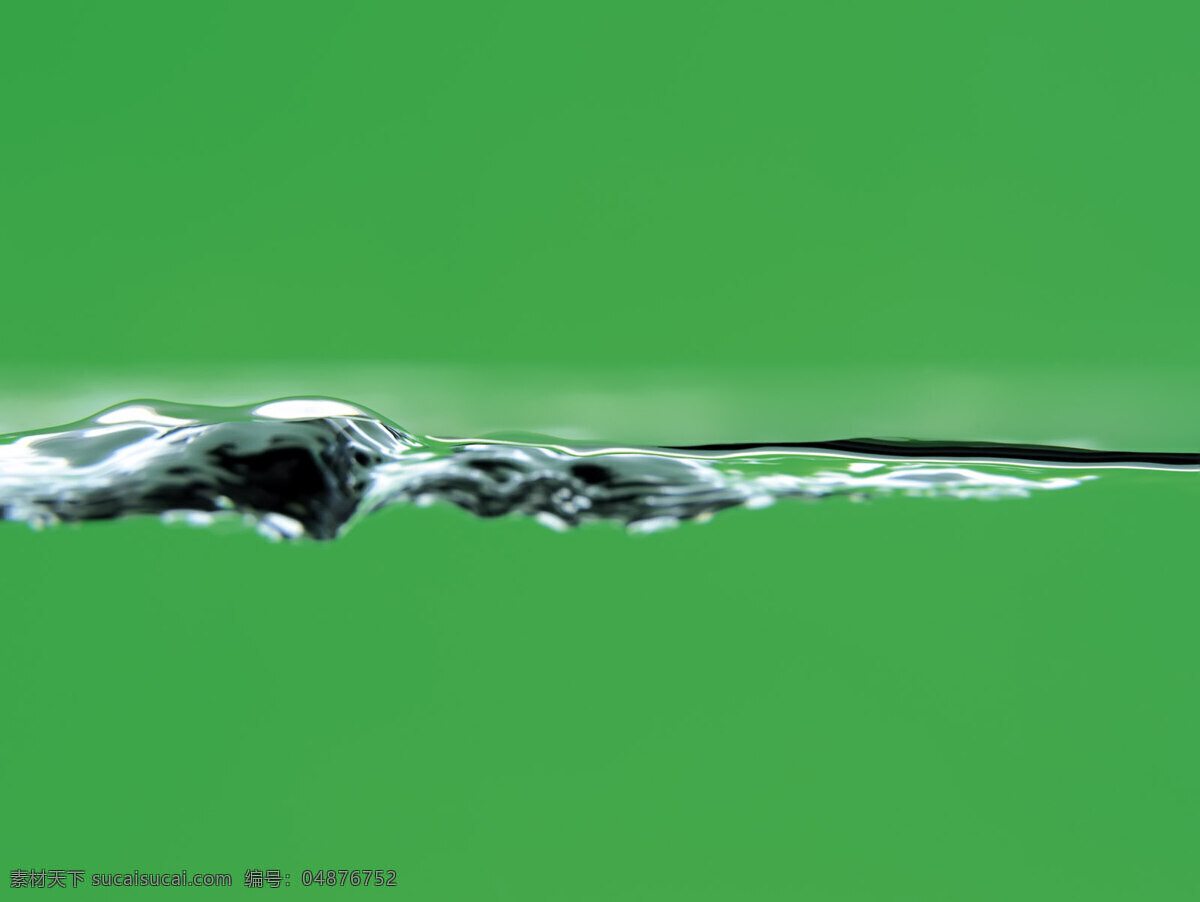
<point x="658" y="222"/>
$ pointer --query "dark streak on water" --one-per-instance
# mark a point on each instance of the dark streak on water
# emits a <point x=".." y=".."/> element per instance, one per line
<point x="911" y="448"/>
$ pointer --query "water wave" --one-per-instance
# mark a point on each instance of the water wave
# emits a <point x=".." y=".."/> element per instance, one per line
<point x="311" y="467"/>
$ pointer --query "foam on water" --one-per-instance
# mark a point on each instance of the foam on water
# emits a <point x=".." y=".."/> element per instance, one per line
<point x="298" y="467"/>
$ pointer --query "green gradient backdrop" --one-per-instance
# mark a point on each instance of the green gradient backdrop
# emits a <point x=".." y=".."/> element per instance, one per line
<point x="898" y="701"/>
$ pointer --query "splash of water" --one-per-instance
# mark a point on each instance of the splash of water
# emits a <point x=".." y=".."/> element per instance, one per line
<point x="313" y="466"/>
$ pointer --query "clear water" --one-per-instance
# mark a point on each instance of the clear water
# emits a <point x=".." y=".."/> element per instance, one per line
<point x="312" y="467"/>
